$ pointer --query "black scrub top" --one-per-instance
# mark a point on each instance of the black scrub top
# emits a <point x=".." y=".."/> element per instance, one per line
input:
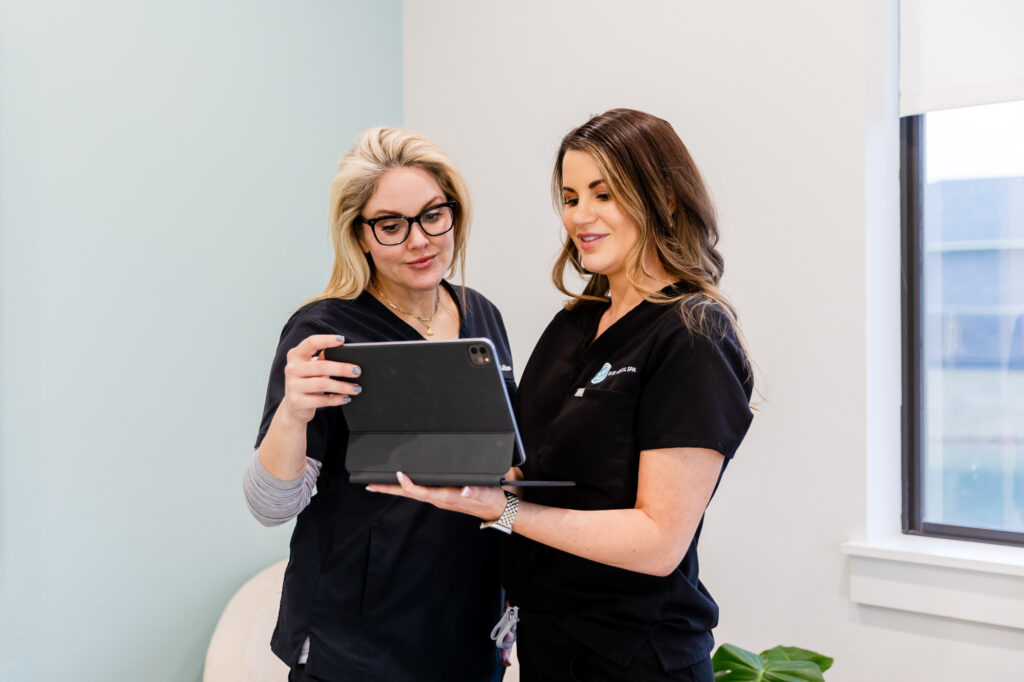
<point x="384" y="587"/>
<point x="586" y="410"/>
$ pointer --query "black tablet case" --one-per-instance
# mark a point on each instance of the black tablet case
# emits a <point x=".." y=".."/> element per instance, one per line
<point x="429" y="411"/>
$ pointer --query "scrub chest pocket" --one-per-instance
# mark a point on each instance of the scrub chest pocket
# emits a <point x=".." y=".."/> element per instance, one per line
<point x="596" y="422"/>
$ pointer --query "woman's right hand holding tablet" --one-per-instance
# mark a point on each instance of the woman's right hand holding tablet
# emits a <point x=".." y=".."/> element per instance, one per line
<point x="309" y="383"/>
<point x="310" y="380"/>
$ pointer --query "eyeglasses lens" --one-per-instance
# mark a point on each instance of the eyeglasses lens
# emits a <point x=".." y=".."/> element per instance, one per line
<point x="434" y="221"/>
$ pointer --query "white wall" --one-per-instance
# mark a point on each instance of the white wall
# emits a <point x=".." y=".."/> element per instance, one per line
<point x="789" y="107"/>
<point x="164" y="171"/>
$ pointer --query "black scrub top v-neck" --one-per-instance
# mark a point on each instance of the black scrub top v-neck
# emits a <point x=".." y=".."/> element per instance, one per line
<point x="586" y="409"/>
<point x="385" y="588"/>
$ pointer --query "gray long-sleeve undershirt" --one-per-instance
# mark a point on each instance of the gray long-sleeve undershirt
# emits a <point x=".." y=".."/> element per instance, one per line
<point x="273" y="501"/>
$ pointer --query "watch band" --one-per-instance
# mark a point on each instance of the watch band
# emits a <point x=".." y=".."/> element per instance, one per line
<point x="508" y="516"/>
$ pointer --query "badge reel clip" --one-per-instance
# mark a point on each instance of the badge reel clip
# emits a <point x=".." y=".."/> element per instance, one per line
<point x="504" y="633"/>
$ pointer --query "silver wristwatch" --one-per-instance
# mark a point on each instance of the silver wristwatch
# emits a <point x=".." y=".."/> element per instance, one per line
<point x="507" y="518"/>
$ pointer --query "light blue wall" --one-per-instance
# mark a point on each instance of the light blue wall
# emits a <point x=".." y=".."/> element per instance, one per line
<point x="163" y="197"/>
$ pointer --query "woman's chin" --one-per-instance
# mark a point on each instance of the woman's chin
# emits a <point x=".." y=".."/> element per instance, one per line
<point x="594" y="266"/>
<point x="426" y="280"/>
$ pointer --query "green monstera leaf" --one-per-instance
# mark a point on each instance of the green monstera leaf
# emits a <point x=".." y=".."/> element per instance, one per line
<point x="792" y="653"/>
<point x="780" y="664"/>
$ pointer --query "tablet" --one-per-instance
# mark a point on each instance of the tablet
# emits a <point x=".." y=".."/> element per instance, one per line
<point x="438" y="411"/>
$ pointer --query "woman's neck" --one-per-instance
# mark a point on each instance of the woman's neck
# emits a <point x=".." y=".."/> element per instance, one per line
<point x="409" y="301"/>
<point x="623" y="294"/>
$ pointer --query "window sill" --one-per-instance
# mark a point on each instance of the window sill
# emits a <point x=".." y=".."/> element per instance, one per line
<point x="948" y="578"/>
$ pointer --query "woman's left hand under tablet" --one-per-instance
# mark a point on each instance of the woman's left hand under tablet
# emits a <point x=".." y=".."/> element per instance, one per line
<point x="483" y="502"/>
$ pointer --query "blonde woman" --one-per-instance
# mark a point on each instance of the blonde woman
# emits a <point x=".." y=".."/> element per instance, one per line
<point x="377" y="588"/>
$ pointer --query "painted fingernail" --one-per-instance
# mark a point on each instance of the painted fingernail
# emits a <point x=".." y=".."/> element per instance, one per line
<point x="357" y="389"/>
<point x="356" y="371"/>
<point x="371" y="489"/>
<point x="346" y="400"/>
<point x="399" y="475"/>
<point x="340" y="339"/>
<point x="465" y="491"/>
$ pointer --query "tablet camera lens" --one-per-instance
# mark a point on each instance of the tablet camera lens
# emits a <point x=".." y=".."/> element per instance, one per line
<point x="479" y="355"/>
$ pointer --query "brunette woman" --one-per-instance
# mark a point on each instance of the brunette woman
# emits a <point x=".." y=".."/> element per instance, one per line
<point x="639" y="391"/>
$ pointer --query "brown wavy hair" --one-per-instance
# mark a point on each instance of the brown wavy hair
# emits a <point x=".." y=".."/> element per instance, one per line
<point x="654" y="180"/>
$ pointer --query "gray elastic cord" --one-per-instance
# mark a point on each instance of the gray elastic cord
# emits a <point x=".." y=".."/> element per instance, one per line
<point x="504" y="632"/>
<point x="273" y="501"/>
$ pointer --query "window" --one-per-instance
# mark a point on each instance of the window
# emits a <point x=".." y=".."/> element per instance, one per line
<point x="963" y="323"/>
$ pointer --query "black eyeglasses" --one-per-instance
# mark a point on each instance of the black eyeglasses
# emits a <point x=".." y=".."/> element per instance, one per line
<point x="392" y="230"/>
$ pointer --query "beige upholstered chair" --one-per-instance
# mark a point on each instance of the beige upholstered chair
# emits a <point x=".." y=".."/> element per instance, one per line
<point x="239" y="650"/>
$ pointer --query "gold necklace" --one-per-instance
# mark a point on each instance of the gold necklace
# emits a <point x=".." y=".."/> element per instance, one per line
<point x="425" y="320"/>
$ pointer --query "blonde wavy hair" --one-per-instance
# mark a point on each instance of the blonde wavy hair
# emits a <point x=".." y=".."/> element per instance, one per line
<point x="375" y="152"/>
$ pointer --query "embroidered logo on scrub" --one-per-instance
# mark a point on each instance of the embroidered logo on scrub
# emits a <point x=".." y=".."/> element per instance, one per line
<point x="607" y="371"/>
